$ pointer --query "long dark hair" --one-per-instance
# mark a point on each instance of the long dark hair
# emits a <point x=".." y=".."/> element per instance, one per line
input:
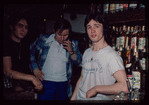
<point x="12" y="21"/>
<point x="100" y="19"/>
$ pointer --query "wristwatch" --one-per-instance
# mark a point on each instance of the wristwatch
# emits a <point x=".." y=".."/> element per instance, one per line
<point x="72" y="52"/>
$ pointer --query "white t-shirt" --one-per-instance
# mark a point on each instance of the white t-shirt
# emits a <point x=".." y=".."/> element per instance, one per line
<point x="54" y="67"/>
<point x="98" y="71"/>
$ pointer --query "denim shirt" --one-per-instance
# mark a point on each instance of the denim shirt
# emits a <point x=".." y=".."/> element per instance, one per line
<point x="41" y="48"/>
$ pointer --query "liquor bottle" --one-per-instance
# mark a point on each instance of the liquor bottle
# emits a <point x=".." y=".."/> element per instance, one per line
<point x="130" y="41"/>
<point x="142" y="56"/>
<point x="116" y="7"/>
<point x="134" y="38"/>
<point x="128" y="68"/>
<point x="132" y="6"/>
<point x="113" y="36"/>
<point x="138" y="35"/>
<point x="131" y="30"/>
<point x="143" y="35"/>
<point x="117" y="39"/>
<point x="112" y="8"/>
<point x="99" y="9"/>
<point x="143" y="63"/>
<point x="127" y="37"/>
<point x="142" y="39"/>
<point x="141" y="6"/>
<point x="127" y="55"/>
<point x="105" y="9"/>
<point x="137" y="74"/>
<point x="120" y="51"/>
<point x="123" y="36"/>
<point x="125" y="7"/>
<point x="121" y="7"/>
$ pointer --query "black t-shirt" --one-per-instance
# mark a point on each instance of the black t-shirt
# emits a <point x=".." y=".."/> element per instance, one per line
<point x="13" y="49"/>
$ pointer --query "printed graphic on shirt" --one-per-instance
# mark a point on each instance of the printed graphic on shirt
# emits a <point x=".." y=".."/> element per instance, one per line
<point x="92" y="66"/>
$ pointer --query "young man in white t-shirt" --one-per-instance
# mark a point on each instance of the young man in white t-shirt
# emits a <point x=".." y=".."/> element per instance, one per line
<point x="101" y="66"/>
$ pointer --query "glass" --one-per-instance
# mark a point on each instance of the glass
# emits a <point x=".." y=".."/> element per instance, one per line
<point x="120" y="96"/>
<point x="7" y="81"/>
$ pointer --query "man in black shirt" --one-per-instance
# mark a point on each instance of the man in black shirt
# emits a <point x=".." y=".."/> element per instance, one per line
<point x="15" y="54"/>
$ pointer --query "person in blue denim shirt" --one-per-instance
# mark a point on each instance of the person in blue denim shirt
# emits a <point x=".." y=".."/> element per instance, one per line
<point x="56" y="55"/>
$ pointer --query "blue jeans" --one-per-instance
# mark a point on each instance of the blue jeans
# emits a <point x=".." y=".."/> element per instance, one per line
<point x="54" y="91"/>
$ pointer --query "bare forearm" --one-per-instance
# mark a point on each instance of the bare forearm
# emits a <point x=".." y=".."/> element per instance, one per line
<point x="111" y="89"/>
<point x="107" y="89"/>
<point x="76" y="89"/>
<point x="18" y="75"/>
<point x="7" y="69"/>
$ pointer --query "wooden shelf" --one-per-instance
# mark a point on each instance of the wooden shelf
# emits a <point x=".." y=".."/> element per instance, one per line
<point x="126" y="16"/>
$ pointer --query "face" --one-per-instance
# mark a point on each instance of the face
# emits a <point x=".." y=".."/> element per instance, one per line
<point x="21" y="29"/>
<point x="61" y="36"/>
<point x="95" y="31"/>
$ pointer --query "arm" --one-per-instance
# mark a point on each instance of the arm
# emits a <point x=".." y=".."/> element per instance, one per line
<point x="7" y="65"/>
<point x="78" y="56"/>
<point x="35" y="47"/>
<point x="76" y="88"/>
<point x="121" y="85"/>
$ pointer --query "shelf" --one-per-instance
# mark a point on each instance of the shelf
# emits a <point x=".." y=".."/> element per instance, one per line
<point x="126" y="16"/>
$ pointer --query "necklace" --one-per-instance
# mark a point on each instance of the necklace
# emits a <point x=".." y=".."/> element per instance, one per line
<point x="95" y="54"/>
<point x="105" y="45"/>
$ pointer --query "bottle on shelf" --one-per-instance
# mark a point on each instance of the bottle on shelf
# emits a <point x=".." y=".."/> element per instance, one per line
<point x="123" y="36"/>
<point x="142" y="39"/>
<point x="117" y="39"/>
<point x="121" y="7"/>
<point x="125" y="7"/>
<point x="141" y="6"/>
<point x="128" y="37"/>
<point x="112" y="8"/>
<point x="116" y="7"/>
<point x="143" y="63"/>
<point x="113" y="37"/>
<point x="132" y="6"/>
<point x="134" y="38"/>
<point x="137" y="74"/>
<point x="129" y="68"/>
<point x="138" y="36"/>
<point x="106" y="9"/>
<point x="127" y="55"/>
<point x="120" y="50"/>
